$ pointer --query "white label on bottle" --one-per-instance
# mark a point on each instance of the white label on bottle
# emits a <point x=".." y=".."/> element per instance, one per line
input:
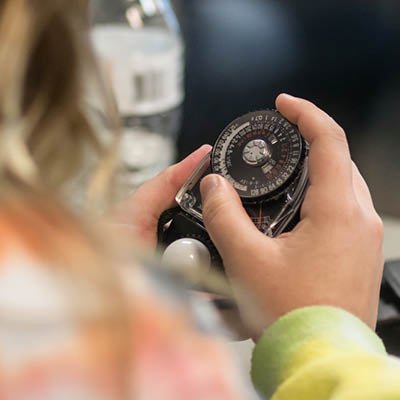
<point x="145" y="67"/>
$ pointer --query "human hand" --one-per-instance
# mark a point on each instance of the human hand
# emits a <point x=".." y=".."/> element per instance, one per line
<point x="143" y="209"/>
<point x="333" y="256"/>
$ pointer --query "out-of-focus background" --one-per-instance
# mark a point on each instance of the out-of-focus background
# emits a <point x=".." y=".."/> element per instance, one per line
<point x="344" y="55"/>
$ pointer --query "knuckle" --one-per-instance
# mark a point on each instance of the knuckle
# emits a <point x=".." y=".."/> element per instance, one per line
<point x="338" y="134"/>
<point x="350" y="211"/>
<point x="213" y="209"/>
<point x="168" y="176"/>
<point x="377" y="228"/>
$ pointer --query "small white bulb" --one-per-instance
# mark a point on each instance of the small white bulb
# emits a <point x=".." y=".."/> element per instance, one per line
<point x="189" y="255"/>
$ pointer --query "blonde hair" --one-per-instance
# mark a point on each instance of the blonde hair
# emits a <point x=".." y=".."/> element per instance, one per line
<point x="47" y="130"/>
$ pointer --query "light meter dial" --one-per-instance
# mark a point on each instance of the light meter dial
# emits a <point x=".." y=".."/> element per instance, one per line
<point x="259" y="154"/>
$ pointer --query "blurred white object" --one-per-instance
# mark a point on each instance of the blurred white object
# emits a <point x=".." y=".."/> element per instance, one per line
<point x="189" y="255"/>
<point x="141" y="51"/>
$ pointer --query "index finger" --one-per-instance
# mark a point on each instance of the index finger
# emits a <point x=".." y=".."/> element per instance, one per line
<point x="329" y="158"/>
<point x="143" y="209"/>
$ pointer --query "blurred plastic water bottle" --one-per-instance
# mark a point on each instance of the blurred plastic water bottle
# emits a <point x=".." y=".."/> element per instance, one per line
<point x="141" y="49"/>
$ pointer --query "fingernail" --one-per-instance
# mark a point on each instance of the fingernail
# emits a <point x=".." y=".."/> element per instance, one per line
<point x="209" y="184"/>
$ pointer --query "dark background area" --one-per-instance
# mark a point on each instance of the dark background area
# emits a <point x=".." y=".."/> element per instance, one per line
<point x="342" y="55"/>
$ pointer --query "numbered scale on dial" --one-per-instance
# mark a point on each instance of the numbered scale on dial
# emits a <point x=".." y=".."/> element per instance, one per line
<point x="259" y="154"/>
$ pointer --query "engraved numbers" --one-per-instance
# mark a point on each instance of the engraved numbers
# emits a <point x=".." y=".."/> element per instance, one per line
<point x="258" y="153"/>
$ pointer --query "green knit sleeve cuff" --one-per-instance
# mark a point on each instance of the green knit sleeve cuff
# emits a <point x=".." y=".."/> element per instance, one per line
<point x="304" y="335"/>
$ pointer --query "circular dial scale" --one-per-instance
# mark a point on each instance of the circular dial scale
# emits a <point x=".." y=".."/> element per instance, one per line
<point x="258" y="153"/>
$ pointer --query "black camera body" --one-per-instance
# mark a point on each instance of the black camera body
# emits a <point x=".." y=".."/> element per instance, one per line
<point x="264" y="157"/>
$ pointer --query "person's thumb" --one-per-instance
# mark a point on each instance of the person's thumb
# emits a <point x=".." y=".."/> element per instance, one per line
<point x="226" y="221"/>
